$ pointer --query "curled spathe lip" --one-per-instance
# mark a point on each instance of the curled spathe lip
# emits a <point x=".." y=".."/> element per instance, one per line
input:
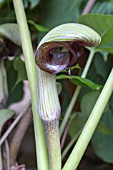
<point x="73" y="37"/>
<point x="73" y="32"/>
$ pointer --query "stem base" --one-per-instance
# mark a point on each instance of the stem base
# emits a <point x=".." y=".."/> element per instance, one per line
<point x="53" y="143"/>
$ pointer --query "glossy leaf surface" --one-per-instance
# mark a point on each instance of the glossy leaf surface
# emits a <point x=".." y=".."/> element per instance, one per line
<point x="80" y="81"/>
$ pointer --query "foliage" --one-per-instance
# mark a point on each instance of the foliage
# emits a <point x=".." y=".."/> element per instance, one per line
<point x="80" y="81"/>
<point x="103" y="137"/>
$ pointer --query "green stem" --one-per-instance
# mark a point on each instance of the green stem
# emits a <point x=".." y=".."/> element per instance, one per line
<point x="53" y="142"/>
<point x="76" y="93"/>
<point x="41" y="149"/>
<point x="90" y="126"/>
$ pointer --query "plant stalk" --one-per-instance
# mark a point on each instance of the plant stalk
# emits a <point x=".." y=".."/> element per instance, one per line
<point x="53" y="142"/>
<point x="49" y="111"/>
<point x="76" y="93"/>
<point x="41" y="150"/>
<point x="91" y="124"/>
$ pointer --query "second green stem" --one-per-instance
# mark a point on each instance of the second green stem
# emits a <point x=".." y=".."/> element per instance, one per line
<point x="91" y="124"/>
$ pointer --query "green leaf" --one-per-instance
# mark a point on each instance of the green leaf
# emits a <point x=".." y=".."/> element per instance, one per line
<point x="88" y="102"/>
<point x="109" y="63"/>
<point x="34" y="3"/>
<point x="100" y="23"/>
<point x="59" y="87"/>
<point x="53" y="13"/>
<point x="111" y="102"/>
<point x="38" y="27"/>
<point x="103" y="137"/>
<point x="103" y="7"/>
<point x="102" y="142"/>
<point x="107" y="37"/>
<point x="5" y="114"/>
<point x="86" y="82"/>
<point x="104" y="129"/>
<point x="101" y="66"/>
<point x="106" y="49"/>
<point x="11" y="32"/>
<point x="76" y="66"/>
<point x="2" y="2"/>
<point x="72" y="68"/>
<point x="107" y="41"/>
<point x="105" y="29"/>
<point x="16" y="94"/>
<point x="25" y="3"/>
<point x="76" y="124"/>
<point x="19" y="66"/>
<point x="80" y="81"/>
